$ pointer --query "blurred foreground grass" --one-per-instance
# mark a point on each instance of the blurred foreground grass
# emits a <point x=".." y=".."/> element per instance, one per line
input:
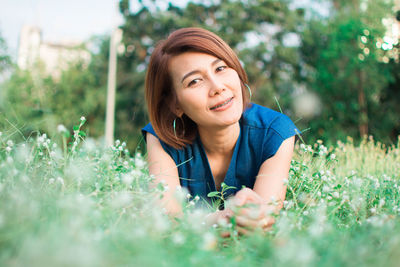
<point x="87" y="205"/>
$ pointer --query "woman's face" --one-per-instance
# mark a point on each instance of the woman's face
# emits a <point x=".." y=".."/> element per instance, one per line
<point x="208" y="91"/>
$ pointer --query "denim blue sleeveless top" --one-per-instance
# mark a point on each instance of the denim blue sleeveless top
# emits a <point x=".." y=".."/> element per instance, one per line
<point x="262" y="131"/>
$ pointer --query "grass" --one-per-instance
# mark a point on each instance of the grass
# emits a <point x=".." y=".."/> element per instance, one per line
<point x="83" y="204"/>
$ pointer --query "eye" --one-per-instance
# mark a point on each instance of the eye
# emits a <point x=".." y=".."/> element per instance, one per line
<point x="193" y="82"/>
<point x="220" y="68"/>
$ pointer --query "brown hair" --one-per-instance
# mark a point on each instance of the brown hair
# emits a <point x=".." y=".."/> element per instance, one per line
<point x="160" y="95"/>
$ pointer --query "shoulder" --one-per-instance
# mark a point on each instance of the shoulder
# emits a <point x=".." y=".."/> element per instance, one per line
<point x="257" y="116"/>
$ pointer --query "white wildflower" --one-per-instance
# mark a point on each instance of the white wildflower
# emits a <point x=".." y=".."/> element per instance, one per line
<point x="117" y="142"/>
<point x="373" y="210"/>
<point x="10" y="143"/>
<point x="61" y="128"/>
<point x="8" y="149"/>
<point x="302" y="146"/>
<point x="178" y="238"/>
<point x="209" y="241"/>
<point x="83" y="118"/>
<point x="60" y="180"/>
<point x="51" y="181"/>
<point x="381" y="202"/>
<point x="139" y="162"/>
<point x="335" y="194"/>
<point x="333" y="156"/>
<point x="127" y="178"/>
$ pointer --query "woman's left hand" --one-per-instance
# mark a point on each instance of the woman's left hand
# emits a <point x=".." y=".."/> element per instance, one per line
<point x="251" y="211"/>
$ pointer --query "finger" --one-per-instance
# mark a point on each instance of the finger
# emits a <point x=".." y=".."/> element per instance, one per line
<point x="225" y="234"/>
<point x="243" y="231"/>
<point x="244" y="221"/>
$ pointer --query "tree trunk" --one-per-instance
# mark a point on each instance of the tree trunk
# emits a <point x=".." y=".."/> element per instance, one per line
<point x="362" y="104"/>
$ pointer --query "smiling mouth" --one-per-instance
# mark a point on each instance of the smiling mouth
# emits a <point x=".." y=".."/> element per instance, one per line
<point x="223" y="104"/>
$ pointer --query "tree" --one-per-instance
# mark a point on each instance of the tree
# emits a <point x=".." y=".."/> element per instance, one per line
<point x="348" y="69"/>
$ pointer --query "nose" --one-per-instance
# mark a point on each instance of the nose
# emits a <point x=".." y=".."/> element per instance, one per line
<point x="216" y="86"/>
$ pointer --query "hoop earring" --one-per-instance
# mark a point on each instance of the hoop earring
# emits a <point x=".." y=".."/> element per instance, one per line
<point x="174" y="126"/>
<point x="248" y="88"/>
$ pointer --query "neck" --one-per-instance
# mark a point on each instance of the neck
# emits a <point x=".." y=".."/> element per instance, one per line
<point x="220" y="141"/>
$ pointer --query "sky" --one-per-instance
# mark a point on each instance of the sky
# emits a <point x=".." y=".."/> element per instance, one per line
<point x="58" y="19"/>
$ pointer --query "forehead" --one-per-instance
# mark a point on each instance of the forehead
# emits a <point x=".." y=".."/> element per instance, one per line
<point x="189" y="61"/>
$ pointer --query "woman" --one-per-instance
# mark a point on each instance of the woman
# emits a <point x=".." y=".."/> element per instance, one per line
<point x="204" y="131"/>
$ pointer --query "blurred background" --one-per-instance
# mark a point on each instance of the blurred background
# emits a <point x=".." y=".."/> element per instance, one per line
<point x="330" y="65"/>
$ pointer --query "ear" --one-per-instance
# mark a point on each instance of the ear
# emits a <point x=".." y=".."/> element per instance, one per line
<point x="175" y="108"/>
<point x="178" y="111"/>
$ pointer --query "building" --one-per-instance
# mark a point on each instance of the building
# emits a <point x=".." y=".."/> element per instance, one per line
<point x="55" y="57"/>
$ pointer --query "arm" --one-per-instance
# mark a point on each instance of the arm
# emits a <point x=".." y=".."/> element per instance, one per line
<point x="162" y="166"/>
<point x="273" y="172"/>
<point x="269" y="185"/>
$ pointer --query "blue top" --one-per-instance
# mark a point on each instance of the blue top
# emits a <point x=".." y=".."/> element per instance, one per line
<point x="262" y="131"/>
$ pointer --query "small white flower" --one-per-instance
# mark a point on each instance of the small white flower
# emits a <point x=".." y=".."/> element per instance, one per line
<point x="61" y="128"/>
<point x="373" y="210"/>
<point x="381" y="202"/>
<point x="53" y="154"/>
<point x="335" y="194"/>
<point x="51" y="181"/>
<point x="117" y="142"/>
<point x="209" y="241"/>
<point x="188" y="196"/>
<point x="10" y="143"/>
<point x="196" y="198"/>
<point x="302" y="146"/>
<point x="178" y="238"/>
<point x="333" y="156"/>
<point x="127" y="179"/>
<point x="40" y="139"/>
<point x="8" y="149"/>
<point x="83" y="118"/>
<point x="60" y="180"/>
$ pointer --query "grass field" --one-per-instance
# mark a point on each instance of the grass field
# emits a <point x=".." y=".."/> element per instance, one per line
<point x="81" y="204"/>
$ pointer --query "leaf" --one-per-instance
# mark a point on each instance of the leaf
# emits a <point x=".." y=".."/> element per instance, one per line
<point x="82" y="133"/>
<point x="75" y="128"/>
<point x="213" y="194"/>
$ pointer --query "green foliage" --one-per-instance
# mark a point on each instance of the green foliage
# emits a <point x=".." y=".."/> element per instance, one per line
<point x="36" y="101"/>
<point x="346" y="70"/>
<point x="85" y="205"/>
<point x="5" y="60"/>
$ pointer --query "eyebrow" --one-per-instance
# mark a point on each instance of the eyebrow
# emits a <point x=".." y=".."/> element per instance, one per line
<point x="197" y="71"/>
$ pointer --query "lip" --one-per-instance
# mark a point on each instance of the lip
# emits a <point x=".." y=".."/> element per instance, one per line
<point x="223" y="105"/>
